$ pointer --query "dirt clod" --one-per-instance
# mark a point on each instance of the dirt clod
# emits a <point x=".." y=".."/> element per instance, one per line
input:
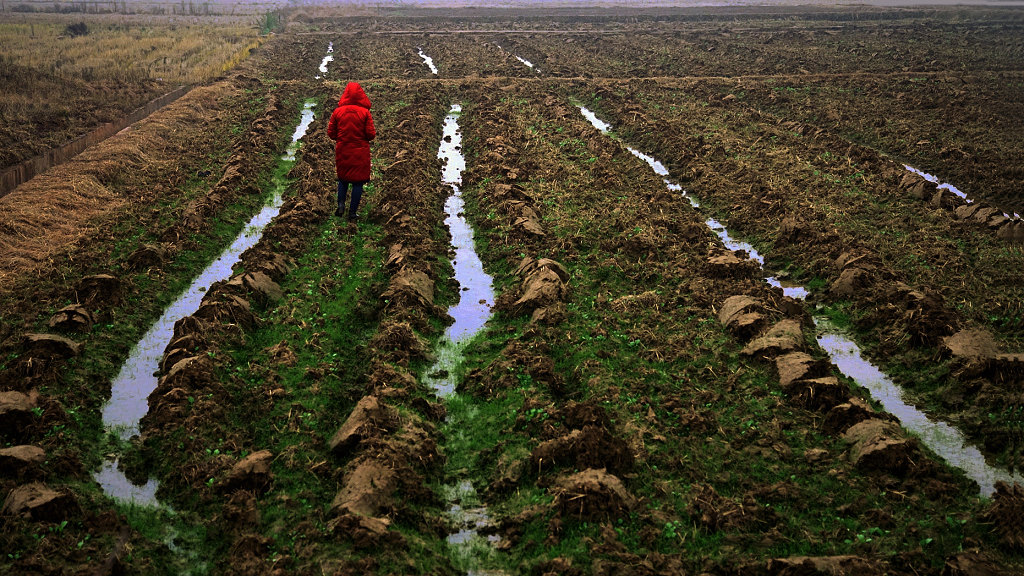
<point x="879" y="445"/>
<point x="844" y="416"/>
<point x="147" y="256"/>
<point x="969" y="344"/>
<point x="593" y="495"/>
<point x="742" y="315"/>
<point x="817" y="393"/>
<point x="799" y="366"/>
<point x="784" y="336"/>
<point x="99" y="290"/>
<point x="368" y="419"/>
<point x="824" y="566"/>
<point x="1006" y="514"/>
<point x="541" y="288"/>
<point x="251" y="473"/>
<point x="50" y="346"/>
<point x="39" y="502"/>
<point x="591" y="447"/>
<point x="73" y="318"/>
<point x="368" y="490"/>
<point x="20" y="461"/>
<point x="15" y="412"/>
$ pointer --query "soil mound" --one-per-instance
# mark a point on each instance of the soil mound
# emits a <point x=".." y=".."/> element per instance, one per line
<point x="410" y="289"/>
<point x="722" y="263"/>
<point x="971" y="344"/>
<point x="148" y="256"/>
<point x="799" y="366"/>
<point x="1006" y="514"/>
<point x="824" y="566"/>
<point x="16" y="412"/>
<point x="251" y="473"/>
<point x="593" y="495"/>
<point x="541" y="288"/>
<point x="784" y="336"/>
<point x="817" y="393"/>
<point x="267" y="291"/>
<point x="591" y="447"/>
<point x="742" y="315"/>
<point x="370" y="418"/>
<point x="844" y="416"/>
<point x="100" y="290"/>
<point x="39" y="502"/>
<point x="635" y="302"/>
<point x="715" y="512"/>
<point x="398" y="343"/>
<point x="50" y="346"/>
<point x="368" y="490"/>
<point x="973" y="563"/>
<point x="73" y="318"/>
<point x="21" y="461"/>
<point x="880" y="445"/>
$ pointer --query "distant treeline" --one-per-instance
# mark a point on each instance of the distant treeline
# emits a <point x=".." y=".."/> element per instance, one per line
<point x="182" y="7"/>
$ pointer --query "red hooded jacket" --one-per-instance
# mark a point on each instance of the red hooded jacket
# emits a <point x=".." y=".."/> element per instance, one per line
<point x="351" y="126"/>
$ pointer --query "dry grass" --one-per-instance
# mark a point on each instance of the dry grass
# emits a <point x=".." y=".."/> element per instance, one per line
<point x="49" y="215"/>
<point x="54" y="88"/>
<point x="127" y="49"/>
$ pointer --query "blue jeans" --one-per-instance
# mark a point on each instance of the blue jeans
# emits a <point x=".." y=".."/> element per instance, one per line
<point x="357" y="194"/>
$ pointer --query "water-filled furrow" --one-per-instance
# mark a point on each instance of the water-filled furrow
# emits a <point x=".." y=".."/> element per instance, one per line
<point x="327" y="59"/>
<point x="137" y="378"/>
<point x="943" y="439"/>
<point x="471" y="312"/>
<point x="950" y="187"/>
<point x="427" y="60"/>
<point x="522" y="60"/>
<point x="939" y="436"/>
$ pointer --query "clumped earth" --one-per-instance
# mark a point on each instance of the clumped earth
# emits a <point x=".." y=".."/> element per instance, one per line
<point x="641" y="402"/>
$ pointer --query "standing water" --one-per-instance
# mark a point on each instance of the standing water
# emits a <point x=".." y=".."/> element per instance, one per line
<point x="428" y="61"/>
<point x="940" y="437"/>
<point x="470" y="314"/>
<point x="137" y="379"/>
<point x="524" y="61"/>
<point x="947" y="186"/>
<point x="328" y="58"/>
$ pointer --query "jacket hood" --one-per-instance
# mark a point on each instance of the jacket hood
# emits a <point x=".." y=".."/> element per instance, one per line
<point x="354" y="95"/>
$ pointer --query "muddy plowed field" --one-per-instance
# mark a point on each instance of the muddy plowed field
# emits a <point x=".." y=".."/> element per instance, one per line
<point x="680" y="214"/>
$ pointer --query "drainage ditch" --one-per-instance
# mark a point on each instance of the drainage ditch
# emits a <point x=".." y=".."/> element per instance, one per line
<point x="137" y="378"/>
<point x="470" y="550"/>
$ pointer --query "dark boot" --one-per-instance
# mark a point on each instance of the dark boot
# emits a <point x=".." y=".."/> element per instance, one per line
<point x="342" y="189"/>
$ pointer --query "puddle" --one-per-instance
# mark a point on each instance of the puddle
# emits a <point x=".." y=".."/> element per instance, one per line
<point x="940" y="437"/>
<point x="138" y="378"/>
<point x="427" y="60"/>
<point x="116" y="485"/>
<point x="948" y="186"/>
<point x="469" y="515"/>
<point x="476" y="297"/>
<point x="327" y="59"/>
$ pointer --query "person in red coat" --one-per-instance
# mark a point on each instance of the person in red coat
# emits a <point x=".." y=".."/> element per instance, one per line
<point x="351" y="127"/>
